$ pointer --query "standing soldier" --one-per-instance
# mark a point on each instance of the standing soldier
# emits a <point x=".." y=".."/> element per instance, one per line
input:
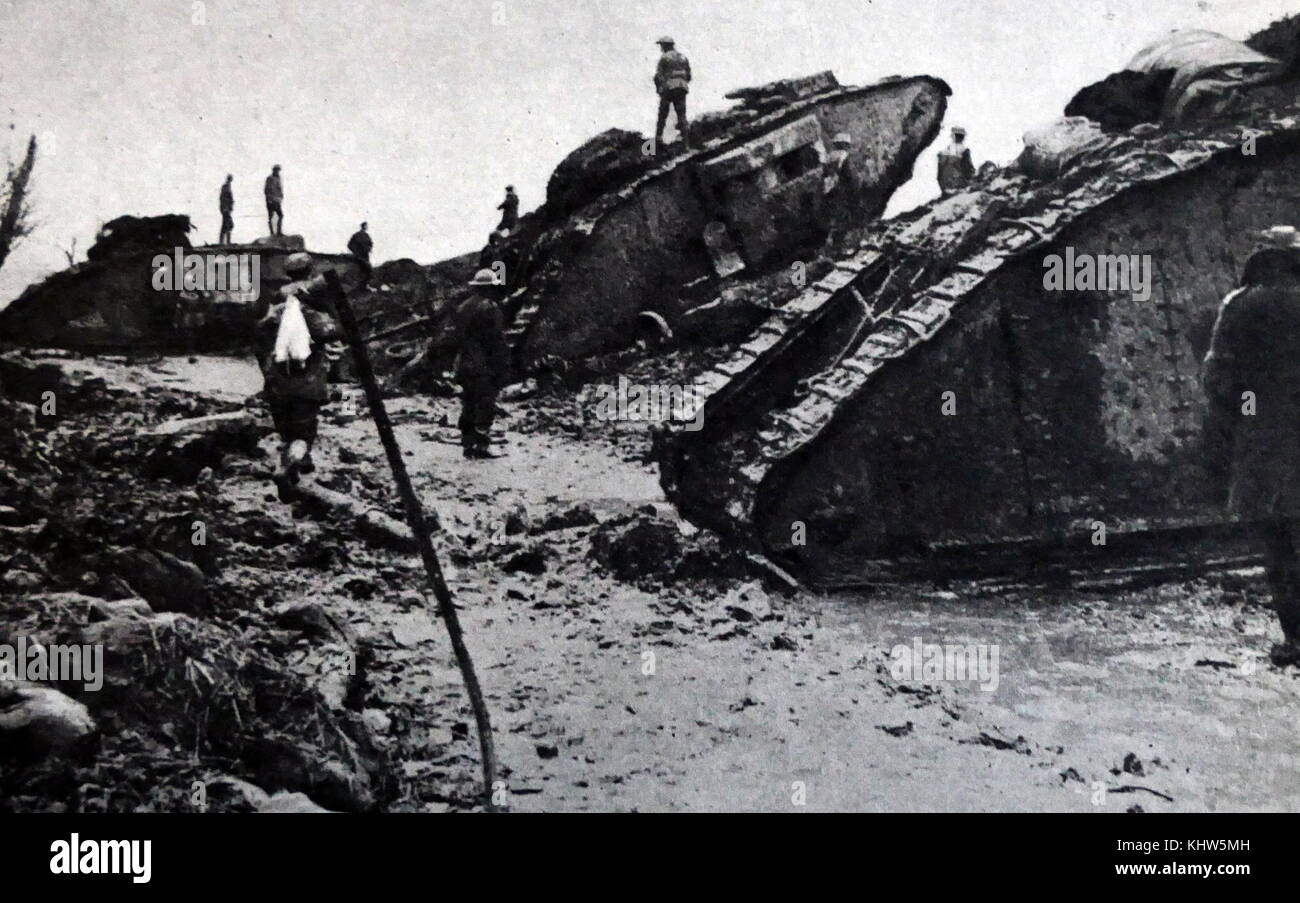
<point x="956" y="168"/>
<point x="360" y="244"/>
<point x="296" y="375"/>
<point x="509" y="211"/>
<point x="227" y="204"/>
<point x="481" y="363"/>
<point x="672" y="81"/>
<point x="274" y="191"/>
<point x="1252" y="429"/>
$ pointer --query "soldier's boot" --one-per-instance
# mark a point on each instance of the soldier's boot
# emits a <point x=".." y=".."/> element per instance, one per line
<point x="1287" y="604"/>
<point x="286" y="475"/>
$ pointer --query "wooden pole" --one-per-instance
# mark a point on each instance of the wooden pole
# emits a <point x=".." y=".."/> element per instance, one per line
<point x="415" y="520"/>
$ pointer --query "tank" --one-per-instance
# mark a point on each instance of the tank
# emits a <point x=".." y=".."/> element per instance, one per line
<point x="112" y="303"/>
<point x="936" y="400"/>
<point x="741" y="201"/>
<point x="629" y="228"/>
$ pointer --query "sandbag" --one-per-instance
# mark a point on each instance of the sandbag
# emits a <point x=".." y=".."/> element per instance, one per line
<point x="1053" y="148"/>
<point x="1208" y="70"/>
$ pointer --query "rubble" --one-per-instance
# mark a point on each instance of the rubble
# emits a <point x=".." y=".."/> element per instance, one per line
<point x="193" y="663"/>
<point x="37" y="721"/>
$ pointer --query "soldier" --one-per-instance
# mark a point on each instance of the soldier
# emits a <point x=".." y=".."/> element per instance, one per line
<point x="274" y="191"/>
<point x="227" y="205"/>
<point x="297" y="388"/>
<point x="481" y="363"/>
<point x="360" y="244"/>
<point x="955" y="166"/>
<point x="509" y="211"/>
<point x="672" y="81"/>
<point x="1252" y="429"/>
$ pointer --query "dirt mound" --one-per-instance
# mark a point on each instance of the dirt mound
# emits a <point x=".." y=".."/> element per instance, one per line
<point x="648" y="549"/>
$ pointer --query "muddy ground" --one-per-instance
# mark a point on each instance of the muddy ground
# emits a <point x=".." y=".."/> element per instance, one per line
<point x="630" y="662"/>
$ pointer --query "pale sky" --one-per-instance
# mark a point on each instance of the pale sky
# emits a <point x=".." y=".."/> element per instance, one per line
<point x="414" y="114"/>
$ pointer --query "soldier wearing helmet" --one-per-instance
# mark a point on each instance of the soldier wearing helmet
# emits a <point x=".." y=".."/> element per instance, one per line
<point x="482" y="361"/>
<point x="672" y="81"/>
<point x="956" y="168"/>
<point x="296" y="390"/>
<point x="1252" y="425"/>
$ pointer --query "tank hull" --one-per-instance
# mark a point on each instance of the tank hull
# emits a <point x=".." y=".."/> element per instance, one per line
<point x="974" y="408"/>
<point x="112" y="304"/>
<point x="747" y="200"/>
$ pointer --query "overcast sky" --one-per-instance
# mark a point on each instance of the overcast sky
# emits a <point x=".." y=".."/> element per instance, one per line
<point x="414" y="114"/>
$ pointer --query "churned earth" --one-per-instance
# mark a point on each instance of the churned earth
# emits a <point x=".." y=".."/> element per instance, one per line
<point x="633" y="663"/>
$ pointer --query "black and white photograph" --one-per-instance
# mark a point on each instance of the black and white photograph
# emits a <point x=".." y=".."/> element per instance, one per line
<point x="521" y="407"/>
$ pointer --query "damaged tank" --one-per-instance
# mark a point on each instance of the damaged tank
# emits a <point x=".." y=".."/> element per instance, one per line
<point x="629" y="229"/>
<point x="934" y="401"/>
<point x="112" y="302"/>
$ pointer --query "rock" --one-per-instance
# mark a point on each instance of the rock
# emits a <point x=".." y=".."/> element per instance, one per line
<point x="182" y="449"/>
<point x="104" y="610"/>
<point x="578" y="516"/>
<point x="333" y="671"/>
<point x="20" y="581"/>
<point x="162" y="579"/>
<point x="547" y="751"/>
<point x="190" y="538"/>
<point x="311" y="618"/>
<point x="412" y="629"/>
<point x="131" y="643"/>
<point x="360" y="588"/>
<point x="377" y="720"/>
<point x="517" y="520"/>
<point x="529" y="561"/>
<point x="748" y="602"/>
<point x="292" y="803"/>
<point x="637" y="549"/>
<point x="38" y="721"/>
<point x="519" y="391"/>
<point x="283" y="765"/>
<point x="235" y="795"/>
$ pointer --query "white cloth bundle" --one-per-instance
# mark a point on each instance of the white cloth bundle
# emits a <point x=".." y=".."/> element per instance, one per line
<point x="293" y="338"/>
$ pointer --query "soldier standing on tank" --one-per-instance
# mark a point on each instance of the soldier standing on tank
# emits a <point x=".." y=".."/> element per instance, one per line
<point x="956" y="168"/>
<point x="673" y="82"/>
